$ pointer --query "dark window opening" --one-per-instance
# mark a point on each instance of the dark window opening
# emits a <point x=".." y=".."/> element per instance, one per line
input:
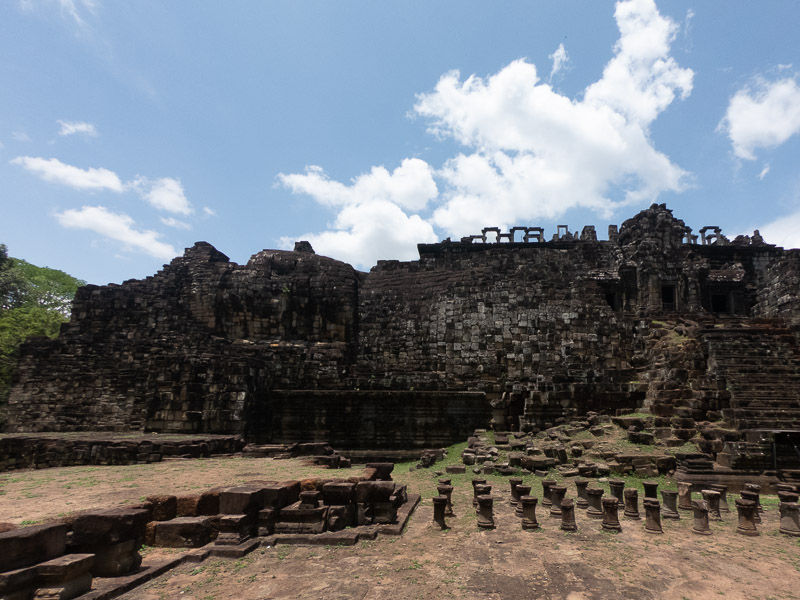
<point x="720" y="303"/>
<point x="613" y="300"/>
<point x="668" y="297"/>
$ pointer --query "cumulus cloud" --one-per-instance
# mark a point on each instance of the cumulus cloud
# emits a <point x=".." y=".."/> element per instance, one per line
<point x="560" y="59"/>
<point x="118" y="227"/>
<point x="366" y="232"/>
<point x="55" y="171"/>
<point x="530" y="152"/>
<point x="411" y="185"/>
<point x="539" y="153"/>
<point x="762" y="115"/>
<point x="371" y="222"/>
<point x="73" y="127"/>
<point x="165" y="194"/>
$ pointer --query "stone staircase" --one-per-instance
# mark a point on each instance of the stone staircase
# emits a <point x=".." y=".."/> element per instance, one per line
<point x="760" y="365"/>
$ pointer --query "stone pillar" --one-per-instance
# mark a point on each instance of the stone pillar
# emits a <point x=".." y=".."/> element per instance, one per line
<point x="580" y="487"/>
<point x="753" y="497"/>
<point x="754" y="487"/>
<point x="785" y="496"/>
<point x="485" y="511"/>
<point x="546" y="484"/>
<point x="568" y="515"/>
<point x="711" y="497"/>
<point x="652" y="516"/>
<point x="522" y="490"/>
<point x="445" y="481"/>
<point x="514" y="482"/>
<point x="748" y="510"/>
<point x="684" y="495"/>
<point x="476" y="482"/>
<point x="481" y="489"/>
<point x="700" y="524"/>
<point x="610" y="514"/>
<point x="616" y="488"/>
<point x="447" y="492"/>
<point x="650" y="489"/>
<point x="670" y="498"/>
<point x="595" y="498"/>
<point x="557" y="493"/>
<point x="790" y="518"/>
<point x="631" y="496"/>
<point x="528" y="504"/>
<point x="723" y="496"/>
<point x="439" y="508"/>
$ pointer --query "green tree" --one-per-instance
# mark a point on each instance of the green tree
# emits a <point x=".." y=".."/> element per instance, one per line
<point x="34" y="301"/>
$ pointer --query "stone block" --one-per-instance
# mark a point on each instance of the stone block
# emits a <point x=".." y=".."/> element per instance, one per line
<point x="113" y="560"/>
<point x="294" y="519"/>
<point x="183" y="532"/>
<point x="338" y="493"/>
<point x="164" y="507"/>
<point x="266" y="521"/>
<point x="340" y="517"/>
<point x="241" y="500"/>
<point x="28" y="545"/>
<point x="64" y="577"/>
<point x="384" y="512"/>
<point x="109" y="527"/>
<point x="18" y="583"/>
<point x="236" y="529"/>
<point x="374" y="491"/>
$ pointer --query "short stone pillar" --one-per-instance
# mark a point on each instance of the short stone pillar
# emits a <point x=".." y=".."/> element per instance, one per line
<point x="754" y="487"/>
<point x="439" y="508"/>
<point x="700" y="524"/>
<point x="616" y="488"/>
<point x="786" y="487"/>
<point x="790" y="518"/>
<point x="481" y="489"/>
<point x="723" y="496"/>
<point x="447" y="492"/>
<point x="522" y="490"/>
<point x="445" y="481"/>
<point x="610" y="514"/>
<point x="568" y="522"/>
<point x="650" y="489"/>
<point x="514" y="482"/>
<point x="528" y="504"/>
<point x="785" y="496"/>
<point x="631" y="496"/>
<point x="580" y="491"/>
<point x="753" y="497"/>
<point x="476" y="482"/>
<point x="595" y="498"/>
<point x="711" y="498"/>
<point x="748" y="510"/>
<point x="485" y="511"/>
<point x="557" y="493"/>
<point x="652" y="515"/>
<point x="546" y="485"/>
<point x="670" y="510"/>
<point x="684" y="495"/>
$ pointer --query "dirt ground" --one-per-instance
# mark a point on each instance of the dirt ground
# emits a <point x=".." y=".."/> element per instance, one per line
<point x="425" y="562"/>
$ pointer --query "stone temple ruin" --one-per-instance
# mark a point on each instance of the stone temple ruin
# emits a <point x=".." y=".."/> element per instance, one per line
<point x="508" y="329"/>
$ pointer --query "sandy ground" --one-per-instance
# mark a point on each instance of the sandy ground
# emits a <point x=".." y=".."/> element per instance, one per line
<point x="463" y="562"/>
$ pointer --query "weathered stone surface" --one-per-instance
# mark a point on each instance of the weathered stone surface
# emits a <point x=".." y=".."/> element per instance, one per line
<point x="27" y="545"/>
<point x="109" y="527"/>
<point x="183" y="532"/>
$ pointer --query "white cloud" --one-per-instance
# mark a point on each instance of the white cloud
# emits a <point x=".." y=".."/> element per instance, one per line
<point x="209" y="211"/>
<point x="73" y="9"/>
<point x="560" y="59"/>
<point x="54" y="171"/>
<point x="73" y="127"/>
<point x="531" y="153"/>
<point x="764" y="171"/>
<point x="172" y="222"/>
<point x="366" y="232"/>
<point x="164" y="194"/>
<point x="118" y="227"/>
<point x="539" y="153"/>
<point x="20" y="136"/>
<point x="411" y="185"/>
<point x="763" y="115"/>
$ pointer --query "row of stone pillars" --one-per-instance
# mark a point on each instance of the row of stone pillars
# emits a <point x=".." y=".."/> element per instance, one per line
<point x="711" y="507"/>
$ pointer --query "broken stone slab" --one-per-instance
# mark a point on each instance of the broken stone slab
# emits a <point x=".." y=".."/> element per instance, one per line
<point x="294" y="519"/>
<point x="65" y="577"/>
<point x="196" y="505"/>
<point x="28" y="545"/>
<point x="107" y="527"/>
<point x="236" y="529"/>
<point x="241" y="500"/>
<point x="374" y="491"/>
<point x="184" y="532"/>
<point x="338" y="493"/>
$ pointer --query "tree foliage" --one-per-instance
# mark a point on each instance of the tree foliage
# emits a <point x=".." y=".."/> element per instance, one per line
<point x="34" y="301"/>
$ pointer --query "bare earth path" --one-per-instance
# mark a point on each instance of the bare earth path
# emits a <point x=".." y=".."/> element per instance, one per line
<point x="425" y="562"/>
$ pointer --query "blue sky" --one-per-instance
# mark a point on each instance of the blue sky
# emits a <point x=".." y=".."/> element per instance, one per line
<point x="130" y="130"/>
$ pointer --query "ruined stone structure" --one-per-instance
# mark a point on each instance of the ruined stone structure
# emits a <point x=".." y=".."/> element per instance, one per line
<point x="508" y="327"/>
